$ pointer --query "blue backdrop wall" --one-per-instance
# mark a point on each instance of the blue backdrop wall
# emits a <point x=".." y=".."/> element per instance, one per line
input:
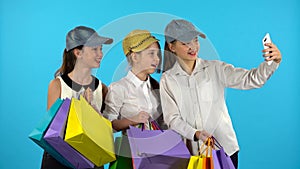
<point x="32" y="39"/>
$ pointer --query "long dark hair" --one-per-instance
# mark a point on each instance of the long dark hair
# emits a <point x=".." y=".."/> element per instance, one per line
<point x="69" y="61"/>
<point x="160" y="59"/>
<point x="169" y="57"/>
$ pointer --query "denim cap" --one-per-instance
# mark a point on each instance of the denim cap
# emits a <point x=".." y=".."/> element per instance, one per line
<point x="137" y="41"/>
<point x="82" y="35"/>
<point x="181" y="30"/>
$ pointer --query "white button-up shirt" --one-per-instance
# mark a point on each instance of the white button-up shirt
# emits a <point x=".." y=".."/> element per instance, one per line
<point x="129" y="96"/>
<point x="196" y="102"/>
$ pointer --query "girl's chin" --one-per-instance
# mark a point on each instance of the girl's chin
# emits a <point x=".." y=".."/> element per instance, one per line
<point x="96" y="65"/>
<point x="151" y="70"/>
<point x="193" y="56"/>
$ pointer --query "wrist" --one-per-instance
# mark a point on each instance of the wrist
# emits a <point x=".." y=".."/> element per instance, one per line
<point x="277" y="60"/>
<point x="196" y="136"/>
<point x="132" y="122"/>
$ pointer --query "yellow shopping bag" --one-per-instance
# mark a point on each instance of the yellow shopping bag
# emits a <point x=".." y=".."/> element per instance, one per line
<point x="204" y="160"/>
<point x="196" y="162"/>
<point x="89" y="133"/>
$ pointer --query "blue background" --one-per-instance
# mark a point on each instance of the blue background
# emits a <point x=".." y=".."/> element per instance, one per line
<point x="266" y="120"/>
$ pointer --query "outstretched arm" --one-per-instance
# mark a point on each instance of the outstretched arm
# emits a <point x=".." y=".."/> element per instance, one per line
<point x="240" y="78"/>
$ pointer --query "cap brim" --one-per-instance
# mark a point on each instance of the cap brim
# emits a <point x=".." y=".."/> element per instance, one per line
<point x="98" y="40"/>
<point x="187" y="37"/>
<point x="107" y="40"/>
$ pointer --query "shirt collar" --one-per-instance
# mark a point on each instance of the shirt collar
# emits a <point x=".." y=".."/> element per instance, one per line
<point x="136" y="81"/>
<point x="200" y="66"/>
<point x="77" y="87"/>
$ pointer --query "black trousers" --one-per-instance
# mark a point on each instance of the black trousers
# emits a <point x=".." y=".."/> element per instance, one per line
<point x="48" y="162"/>
<point x="234" y="159"/>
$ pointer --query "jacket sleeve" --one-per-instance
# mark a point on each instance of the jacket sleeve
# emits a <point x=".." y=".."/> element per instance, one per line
<point x="171" y="110"/>
<point x="240" y="78"/>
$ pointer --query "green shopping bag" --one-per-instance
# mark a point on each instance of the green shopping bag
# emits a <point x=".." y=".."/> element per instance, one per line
<point x="123" y="154"/>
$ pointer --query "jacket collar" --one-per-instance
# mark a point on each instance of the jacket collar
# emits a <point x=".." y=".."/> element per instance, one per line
<point x="136" y="81"/>
<point x="199" y="67"/>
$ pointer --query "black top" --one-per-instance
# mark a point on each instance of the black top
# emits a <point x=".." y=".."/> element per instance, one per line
<point x="75" y="86"/>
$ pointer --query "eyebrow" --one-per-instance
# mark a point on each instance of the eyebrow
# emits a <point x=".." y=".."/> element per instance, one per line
<point x="153" y="50"/>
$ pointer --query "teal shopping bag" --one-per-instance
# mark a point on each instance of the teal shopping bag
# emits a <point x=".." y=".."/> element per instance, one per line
<point x="37" y="134"/>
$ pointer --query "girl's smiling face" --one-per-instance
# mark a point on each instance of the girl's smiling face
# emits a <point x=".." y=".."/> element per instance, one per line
<point x="187" y="52"/>
<point x="91" y="56"/>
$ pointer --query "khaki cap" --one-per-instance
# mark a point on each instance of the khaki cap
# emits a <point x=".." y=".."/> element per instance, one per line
<point x="137" y="40"/>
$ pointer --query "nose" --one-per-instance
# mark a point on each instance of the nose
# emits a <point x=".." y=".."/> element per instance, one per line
<point x="157" y="57"/>
<point x="100" y="53"/>
<point x="193" y="45"/>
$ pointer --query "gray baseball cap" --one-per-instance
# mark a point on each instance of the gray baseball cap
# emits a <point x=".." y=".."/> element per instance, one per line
<point x="182" y="30"/>
<point x="86" y="36"/>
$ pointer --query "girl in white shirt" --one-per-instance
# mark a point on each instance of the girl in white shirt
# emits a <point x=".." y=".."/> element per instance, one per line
<point x="192" y="89"/>
<point x="135" y="98"/>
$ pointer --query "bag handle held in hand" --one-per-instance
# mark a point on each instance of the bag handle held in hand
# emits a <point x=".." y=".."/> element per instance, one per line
<point x="216" y="143"/>
<point x="208" y="150"/>
<point x="153" y="125"/>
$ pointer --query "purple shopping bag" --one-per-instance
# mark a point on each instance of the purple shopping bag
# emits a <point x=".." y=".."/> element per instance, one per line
<point x="157" y="149"/>
<point x="220" y="158"/>
<point x="37" y="135"/>
<point x="225" y="162"/>
<point x="216" y="157"/>
<point x="55" y="137"/>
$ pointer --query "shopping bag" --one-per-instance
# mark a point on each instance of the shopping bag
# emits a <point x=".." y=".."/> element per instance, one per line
<point x="163" y="162"/>
<point x="204" y="159"/>
<point x="37" y="134"/>
<point x="89" y="133"/>
<point x="221" y="158"/>
<point x="123" y="154"/>
<point x="157" y="149"/>
<point x="153" y="125"/>
<point x="55" y="137"/>
<point x="195" y="162"/>
<point x="216" y="155"/>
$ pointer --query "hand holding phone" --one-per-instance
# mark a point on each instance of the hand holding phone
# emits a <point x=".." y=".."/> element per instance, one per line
<point x="267" y="39"/>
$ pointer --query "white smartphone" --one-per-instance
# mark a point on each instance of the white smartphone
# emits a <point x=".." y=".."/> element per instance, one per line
<point x="267" y="39"/>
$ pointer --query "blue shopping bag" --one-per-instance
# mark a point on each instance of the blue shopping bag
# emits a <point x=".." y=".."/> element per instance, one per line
<point x="38" y="133"/>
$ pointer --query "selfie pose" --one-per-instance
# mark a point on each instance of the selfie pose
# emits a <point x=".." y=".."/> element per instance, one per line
<point x="192" y="89"/>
